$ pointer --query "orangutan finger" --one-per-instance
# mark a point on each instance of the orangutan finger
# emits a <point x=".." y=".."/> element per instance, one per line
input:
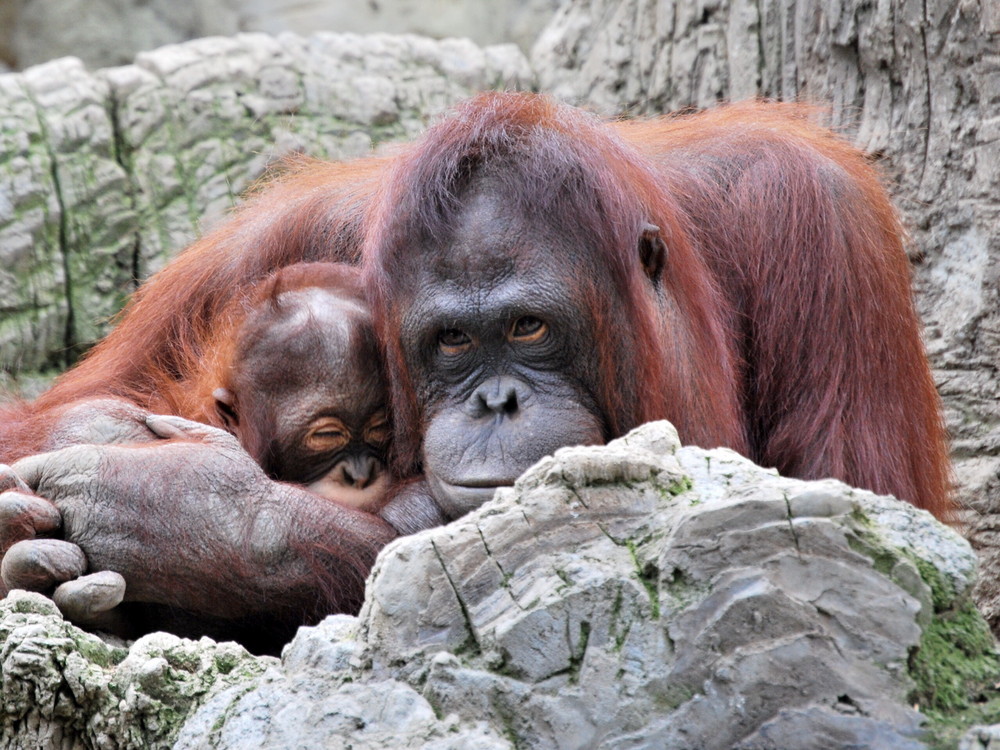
<point x="87" y="600"/>
<point x="167" y="426"/>
<point x="59" y="469"/>
<point x="9" y="480"/>
<point x="39" y="564"/>
<point x="24" y="516"/>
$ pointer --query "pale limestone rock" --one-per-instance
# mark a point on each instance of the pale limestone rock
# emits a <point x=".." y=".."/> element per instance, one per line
<point x="63" y="688"/>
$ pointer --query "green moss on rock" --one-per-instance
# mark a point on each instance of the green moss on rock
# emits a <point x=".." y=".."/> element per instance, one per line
<point x="957" y="673"/>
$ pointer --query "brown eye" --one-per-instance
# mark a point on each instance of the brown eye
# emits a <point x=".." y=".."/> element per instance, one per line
<point x="377" y="432"/>
<point x="327" y="434"/>
<point x="454" y="341"/>
<point x="528" y="329"/>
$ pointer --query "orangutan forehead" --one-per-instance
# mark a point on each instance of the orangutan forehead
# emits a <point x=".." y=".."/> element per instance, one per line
<point x="490" y="238"/>
<point x="307" y="326"/>
<point x="319" y="302"/>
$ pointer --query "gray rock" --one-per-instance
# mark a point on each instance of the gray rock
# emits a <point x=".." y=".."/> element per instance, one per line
<point x="108" y="32"/>
<point x="112" y="32"/>
<point x="63" y="688"/>
<point x="981" y="738"/>
<point x="635" y="595"/>
<point x="32" y="276"/>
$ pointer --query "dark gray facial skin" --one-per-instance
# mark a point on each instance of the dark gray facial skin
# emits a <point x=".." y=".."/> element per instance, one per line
<point x="504" y="427"/>
<point x="499" y="353"/>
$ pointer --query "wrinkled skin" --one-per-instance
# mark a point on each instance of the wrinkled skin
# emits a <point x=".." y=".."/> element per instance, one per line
<point x="100" y="421"/>
<point x="227" y="515"/>
<point x="411" y="507"/>
<point x="25" y="515"/>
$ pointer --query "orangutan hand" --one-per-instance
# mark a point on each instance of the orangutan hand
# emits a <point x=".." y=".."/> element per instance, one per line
<point x="191" y="521"/>
<point x="25" y="516"/>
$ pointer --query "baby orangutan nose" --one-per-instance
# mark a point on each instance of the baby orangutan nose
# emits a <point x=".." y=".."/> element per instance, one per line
<point x="356" y="481"/>
<point x="356" y="471"/>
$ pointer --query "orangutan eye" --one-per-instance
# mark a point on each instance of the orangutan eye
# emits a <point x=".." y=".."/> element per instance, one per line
<point x="377" y="431"/>
<point x="528" y="329"/>
<point x="327" y="434"/>
<point x="454" y="341"/>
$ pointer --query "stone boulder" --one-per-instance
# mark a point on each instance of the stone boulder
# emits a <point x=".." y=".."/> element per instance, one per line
<point x="633" y="595"/>
<point x="111" y="32"/>
<point x="64" y="688"/>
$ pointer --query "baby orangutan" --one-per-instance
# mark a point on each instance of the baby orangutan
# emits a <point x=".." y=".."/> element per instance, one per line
<point x="303" y="388"/>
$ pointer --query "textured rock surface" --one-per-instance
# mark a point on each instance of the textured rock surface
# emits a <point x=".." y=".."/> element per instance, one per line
<point x="104" y="176"/>
<point x="63" y="688"/>
<point x="632" y="595"/>
<point x="915" y="83"/>
<point x="981" y="738"/>
<point x="111" y="32"/>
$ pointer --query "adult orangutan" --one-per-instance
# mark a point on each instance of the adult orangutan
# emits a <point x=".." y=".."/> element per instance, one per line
<point x="543" y="279"/>
<point x="540" y="278"/>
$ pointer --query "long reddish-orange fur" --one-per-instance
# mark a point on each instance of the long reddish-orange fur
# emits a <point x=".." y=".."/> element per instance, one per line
<point x="169" y="332"/>
<point x="790" y="333"/>
<point x="799" y="231"/>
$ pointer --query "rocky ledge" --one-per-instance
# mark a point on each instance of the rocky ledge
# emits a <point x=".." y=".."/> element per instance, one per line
<point x="634" y="595"/>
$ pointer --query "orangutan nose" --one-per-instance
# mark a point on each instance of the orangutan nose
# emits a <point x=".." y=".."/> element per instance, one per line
<point x="359" y="471"/>
<point x="498" y="396"/>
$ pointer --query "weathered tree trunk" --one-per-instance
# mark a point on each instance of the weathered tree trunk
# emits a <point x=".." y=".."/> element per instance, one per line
<point x="917" y="83"/>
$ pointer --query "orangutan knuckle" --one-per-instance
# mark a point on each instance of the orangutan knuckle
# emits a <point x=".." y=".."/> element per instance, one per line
<point x="38" y="563"/>
<point x="13" y="506"/>
<point x="90" y="595"/>
<point x="9" y="480"/>
<point x="63" y="473"/>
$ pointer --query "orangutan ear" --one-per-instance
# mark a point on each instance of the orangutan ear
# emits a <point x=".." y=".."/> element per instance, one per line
<point x="652" y="252"/>
<point x="224" y="406"/>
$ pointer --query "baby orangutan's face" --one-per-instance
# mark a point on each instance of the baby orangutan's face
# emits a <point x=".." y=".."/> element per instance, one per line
<point x="309" y="399"/>
<point x="357" y="477"/>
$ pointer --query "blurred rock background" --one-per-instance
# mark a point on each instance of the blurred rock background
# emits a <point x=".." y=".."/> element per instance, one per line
<point x="103" y="33"/>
